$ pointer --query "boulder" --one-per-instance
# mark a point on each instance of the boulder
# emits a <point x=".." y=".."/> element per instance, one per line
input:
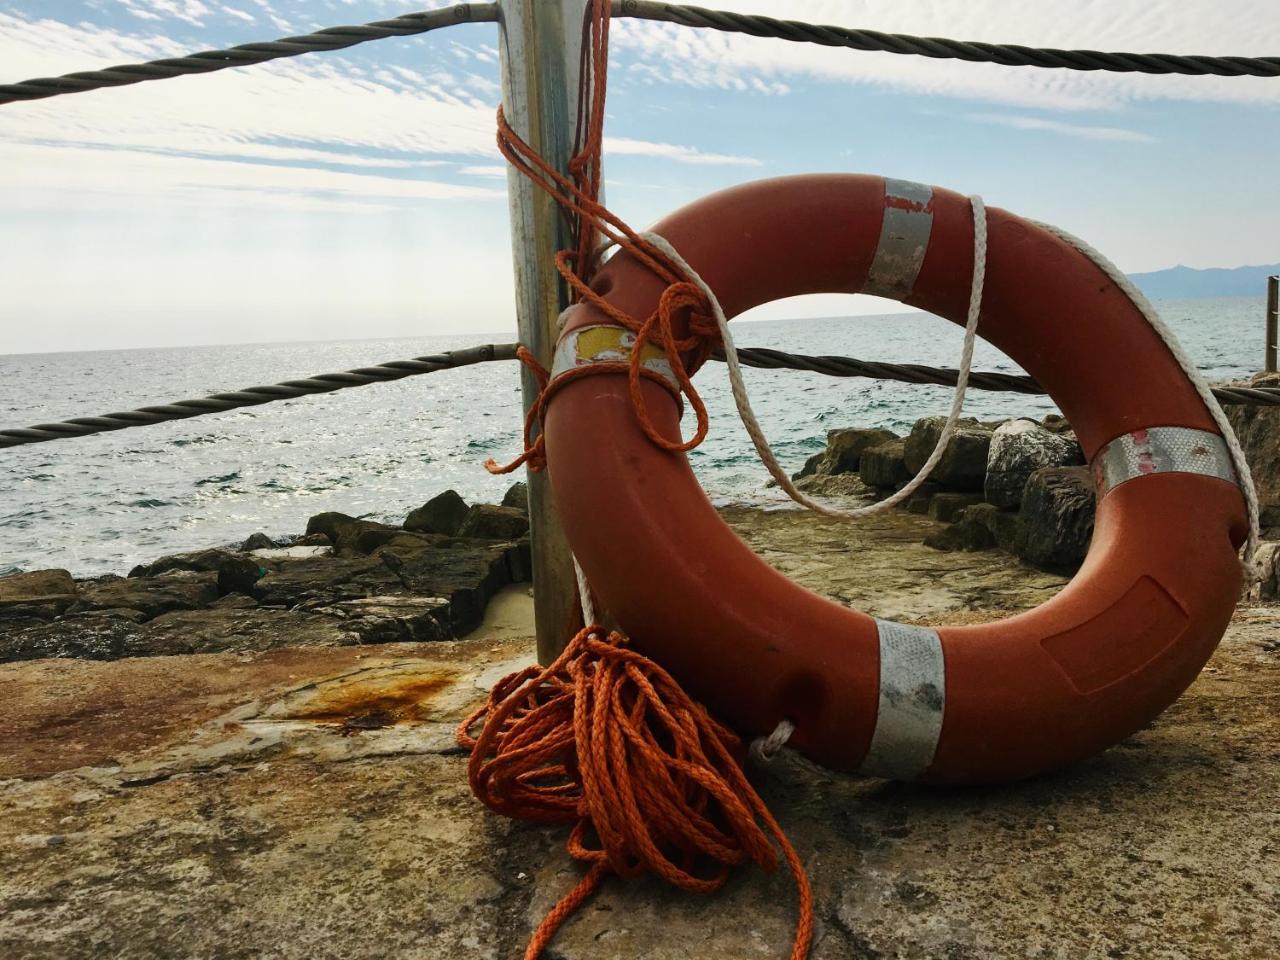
<point x="258" y="541"/>
<point x="841" y="485"/>
<point x="41" y="594"/>
<point x="487" y="522"/>
<point x="341" y="530"/>
<point x="920" y="500"/>
<point x="845" y="448"/>
<point x="964" y="462"/>
<point x="97" y="637"/>
<point x="1055" y="423"/>
<point x="884" y="465"/>
<point x="443" y="513"/>
<point x="238" y="630"/>
<point x="811" y="467"/>
<point x="1018" y="449"/>
<point x="465" y="573"/>
<point x="322" y="581"/>
<point x="236" y="573"/>
<point x="1003" y="524"/>
<point x="964" y="535"/>
<point x="948" y="506"/>
<point x="393" y="619"/>
<point x="517" y="496"/>
<point x="152" y="596"/>
<point x="1055" y="523"/>
<point x="1258" y="429"/>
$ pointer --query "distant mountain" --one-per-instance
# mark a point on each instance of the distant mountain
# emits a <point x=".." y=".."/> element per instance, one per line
<point x="1187" y="282"/>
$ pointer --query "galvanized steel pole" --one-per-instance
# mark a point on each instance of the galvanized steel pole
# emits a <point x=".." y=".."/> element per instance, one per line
<point x="541" y="44"/>
<point x="1273" y="322"/>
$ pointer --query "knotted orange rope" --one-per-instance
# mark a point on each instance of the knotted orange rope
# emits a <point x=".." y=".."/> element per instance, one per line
<point x="682" y="304"/>
<point x="605" y="739"/>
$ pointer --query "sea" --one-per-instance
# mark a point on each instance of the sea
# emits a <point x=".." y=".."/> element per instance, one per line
<point x="103" y="503"/>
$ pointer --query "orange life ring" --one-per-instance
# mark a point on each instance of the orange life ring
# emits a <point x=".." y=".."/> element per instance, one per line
<point x="956" y="704"/>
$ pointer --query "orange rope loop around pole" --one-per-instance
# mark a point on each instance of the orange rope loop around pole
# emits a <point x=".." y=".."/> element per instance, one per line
<point x="682" y="305"/>
<point x="605" y="739"/>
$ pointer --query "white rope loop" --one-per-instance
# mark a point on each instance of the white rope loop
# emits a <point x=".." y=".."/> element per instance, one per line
<point x="752" y="424"/>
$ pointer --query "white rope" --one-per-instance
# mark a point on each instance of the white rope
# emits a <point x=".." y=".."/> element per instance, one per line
<point x="752" y="424"/>
<point x="1139" y="300"/>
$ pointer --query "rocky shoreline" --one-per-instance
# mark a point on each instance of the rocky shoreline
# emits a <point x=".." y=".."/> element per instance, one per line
<point x="344" y="582"/>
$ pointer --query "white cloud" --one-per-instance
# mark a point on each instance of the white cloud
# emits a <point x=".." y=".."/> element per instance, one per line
<point x="674" y="151"/>
<point x="676" y="55"/>
<point x="1084" y="132"/>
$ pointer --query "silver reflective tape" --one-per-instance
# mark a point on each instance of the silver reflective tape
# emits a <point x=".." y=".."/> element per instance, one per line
<point x="606" y="343"/>
<point x="904" y="240"/>
<point x="1162" y="450"/>
<point x="912" y="697"/>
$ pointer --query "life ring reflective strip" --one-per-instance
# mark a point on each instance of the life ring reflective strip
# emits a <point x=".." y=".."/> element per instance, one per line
<point x="972" y="703"/>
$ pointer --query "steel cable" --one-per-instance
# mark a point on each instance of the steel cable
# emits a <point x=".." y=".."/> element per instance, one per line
<point x="247" y="54"/>
<point x="1005" y="54"/>
<point x="760" y="357"/>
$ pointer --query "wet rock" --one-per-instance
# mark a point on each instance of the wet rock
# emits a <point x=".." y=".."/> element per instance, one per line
<point x="464" y="573"/>
<point x="517" y="496"/>
<point x="1056" y="423"/>
<point x="258" y="541"/>
<point x="236" y="573"/>
<point x="486" y="522"/>
<point x="810" y="467"/>
<point x="845" y="448"/>
<point x="919" y="501"/>
<point x="839" y="485"/>
<point x="322" y="581"/>
<point x="93" y="637"/>
<point x="1055" y="523"/>
<point x="1003" y="524"/>
<point x="966" y="535"/>
<point x="1258" y="429"/>
<point x="40" y="594"/>
<point x="309" y="540"/>
<point x="393" y="619"/>
<point x="964" y="462"/>
<point x="443" y="513"/>
<point x="884" y="465"/>
<point x="341" y="530"/>
<point x="948" y="506"/>
<point x="1018" y="449"/>
<point x="172" y="590"/>
<point x="238" y="630"/>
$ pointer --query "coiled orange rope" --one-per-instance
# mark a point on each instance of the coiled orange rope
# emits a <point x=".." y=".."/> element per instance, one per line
<point x="605" y="739"/>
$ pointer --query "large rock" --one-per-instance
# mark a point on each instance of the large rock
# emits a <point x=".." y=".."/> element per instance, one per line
<point x="40" y="594"/>
<point x="1259" y="431"/>
<point x="236" y="572"/>
<point x="342" y="531"/>
<point x="517" y="496"/>
<point x="840" y="485"/>
<point x="845" y="448"/>
<point x="964" y="461"/>
<point x="322" y="581"/>
<point x="487" y="522"/>
<point x="443" y="513"/>
<point x="949" y="505"/>
<point x="464" y="573"/>
<point x="1002" y="524"/>
<point x="1055" y="524"/>
<point x="151" y="596"/>
<point x="966" y="535"/>
<point x="1018" y="449"/>
<point x="883" y="465"/>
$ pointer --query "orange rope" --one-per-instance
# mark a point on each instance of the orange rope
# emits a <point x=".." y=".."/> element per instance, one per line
<point x="605" y="739"/>
<point x="682" y="304"/>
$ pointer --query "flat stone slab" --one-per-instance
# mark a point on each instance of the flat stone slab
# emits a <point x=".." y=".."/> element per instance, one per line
<point x="311" y="804"/>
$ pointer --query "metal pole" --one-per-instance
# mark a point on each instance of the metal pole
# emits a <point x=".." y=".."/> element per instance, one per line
<point x="1273" y="321"/>
<point x="541" y="42"/>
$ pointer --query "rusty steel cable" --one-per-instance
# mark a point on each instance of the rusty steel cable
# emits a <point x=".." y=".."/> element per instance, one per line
<point x="758" y="357"/>
<point x="247" y="54"/>
<point x="1005" y="54"/>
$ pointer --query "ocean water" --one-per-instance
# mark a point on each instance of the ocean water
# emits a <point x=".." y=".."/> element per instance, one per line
<point x="103" y="503"/>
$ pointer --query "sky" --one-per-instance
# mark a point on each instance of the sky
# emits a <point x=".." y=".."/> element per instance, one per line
<point x="359" y="193"/>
